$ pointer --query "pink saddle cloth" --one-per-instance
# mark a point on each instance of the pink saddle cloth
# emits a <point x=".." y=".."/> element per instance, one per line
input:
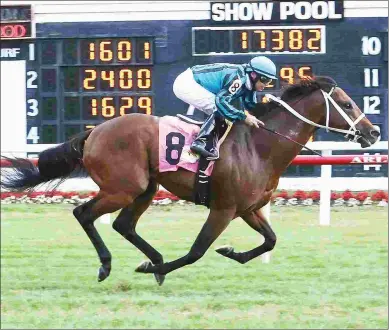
<point x="175" y="138"/>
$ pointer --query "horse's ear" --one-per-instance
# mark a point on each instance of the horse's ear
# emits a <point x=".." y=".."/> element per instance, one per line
<point x="328" y="87"/>
<point x="326" y="83"/>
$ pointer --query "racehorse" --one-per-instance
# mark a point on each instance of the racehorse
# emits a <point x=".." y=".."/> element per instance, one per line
<point x="121" y="156"/>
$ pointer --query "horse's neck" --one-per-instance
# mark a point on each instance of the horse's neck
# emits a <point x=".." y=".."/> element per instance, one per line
<point x="285" y="123"/>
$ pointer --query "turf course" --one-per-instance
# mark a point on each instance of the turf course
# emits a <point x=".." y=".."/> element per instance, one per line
<point x="319" y="277"/>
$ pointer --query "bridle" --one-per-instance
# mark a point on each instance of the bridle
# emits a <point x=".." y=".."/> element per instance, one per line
<point x="352" y="131"/>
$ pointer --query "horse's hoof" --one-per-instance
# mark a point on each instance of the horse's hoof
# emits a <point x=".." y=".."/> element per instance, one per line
<point x="103" y="273"/>
<point x="225" y="250"/>
<point x="159" y="278"/>
<point x="143" y="267"/>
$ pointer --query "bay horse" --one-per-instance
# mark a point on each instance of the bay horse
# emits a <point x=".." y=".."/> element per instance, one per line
<point x="121" y="156"/>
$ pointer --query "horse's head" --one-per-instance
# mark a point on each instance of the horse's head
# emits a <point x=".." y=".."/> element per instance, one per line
<point x="332" y="109"/>
<point x="342" y="113"/>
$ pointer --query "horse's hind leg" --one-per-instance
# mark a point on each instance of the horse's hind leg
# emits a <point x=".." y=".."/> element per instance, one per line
<point x="126" y="222"/>
<point x="87" y="213"/>
<point x="217" y="221"/>
<point x="258" y="222"/>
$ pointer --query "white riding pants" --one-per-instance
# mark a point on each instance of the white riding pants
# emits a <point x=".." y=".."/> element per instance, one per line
<point x="188" y="90"/>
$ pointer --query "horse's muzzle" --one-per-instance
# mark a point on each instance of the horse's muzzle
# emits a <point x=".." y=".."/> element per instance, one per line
<point x="367" y="140"/>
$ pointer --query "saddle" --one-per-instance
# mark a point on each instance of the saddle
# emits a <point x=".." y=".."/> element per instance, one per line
<point x="202" y="187"/>
<point x="197" y="118"/>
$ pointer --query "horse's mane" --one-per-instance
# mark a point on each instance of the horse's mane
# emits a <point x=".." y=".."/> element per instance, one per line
<point x="304" y="87"/>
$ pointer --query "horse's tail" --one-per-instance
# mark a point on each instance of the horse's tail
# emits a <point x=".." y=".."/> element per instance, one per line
<point x="54" y="163"/>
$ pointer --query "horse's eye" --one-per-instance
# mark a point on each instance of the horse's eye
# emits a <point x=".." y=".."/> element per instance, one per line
<point x="348" y="106"/>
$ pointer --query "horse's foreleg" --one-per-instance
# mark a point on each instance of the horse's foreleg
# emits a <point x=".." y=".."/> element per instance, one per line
<point x="216" y="223"/>
<point x="126" y="222"/>
<point x="258" y="222"/>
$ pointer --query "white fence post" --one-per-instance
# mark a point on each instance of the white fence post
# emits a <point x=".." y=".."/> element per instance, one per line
<point x="266" y="212"/>
<point x="105" y="218"/>
<point x="325" y="192"/>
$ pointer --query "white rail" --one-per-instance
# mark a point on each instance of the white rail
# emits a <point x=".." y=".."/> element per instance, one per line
<point x="326" y="175"/>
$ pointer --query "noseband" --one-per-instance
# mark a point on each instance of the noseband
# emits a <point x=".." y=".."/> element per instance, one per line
<point x="352" y="131"/>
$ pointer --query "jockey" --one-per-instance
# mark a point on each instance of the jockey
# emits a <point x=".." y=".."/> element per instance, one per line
<point x="212" y="88"/>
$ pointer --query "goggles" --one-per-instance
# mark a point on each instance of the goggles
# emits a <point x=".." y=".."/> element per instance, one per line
<point x="264" y="80"/>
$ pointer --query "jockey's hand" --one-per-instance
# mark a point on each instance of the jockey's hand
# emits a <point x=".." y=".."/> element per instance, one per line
<point x="253" y="121"/>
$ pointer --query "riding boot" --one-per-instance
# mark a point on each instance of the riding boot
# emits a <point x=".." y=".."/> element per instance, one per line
<point x="206" y="134"/>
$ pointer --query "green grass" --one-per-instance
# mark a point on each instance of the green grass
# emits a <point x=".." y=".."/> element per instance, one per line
<point x="319" y="277"/>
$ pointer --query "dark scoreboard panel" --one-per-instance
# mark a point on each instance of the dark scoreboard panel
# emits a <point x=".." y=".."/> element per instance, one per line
<point x="75" y="84"/>
<point x="259" y="40"/>
<point x="352" y="51"/>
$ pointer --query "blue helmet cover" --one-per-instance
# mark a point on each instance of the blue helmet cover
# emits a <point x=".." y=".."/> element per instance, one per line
<point x="264" y="66"/>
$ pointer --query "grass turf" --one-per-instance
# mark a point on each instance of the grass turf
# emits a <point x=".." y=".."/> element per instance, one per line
<point x="318" y="277"/>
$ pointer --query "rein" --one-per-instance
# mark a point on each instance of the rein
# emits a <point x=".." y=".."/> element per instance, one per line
<point x="327" y="97"/>
<point x="288" y="138"/>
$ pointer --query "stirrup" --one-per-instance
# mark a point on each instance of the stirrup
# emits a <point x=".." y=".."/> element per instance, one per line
<point x="201" y="151"/>
<point x="216" y="157"/>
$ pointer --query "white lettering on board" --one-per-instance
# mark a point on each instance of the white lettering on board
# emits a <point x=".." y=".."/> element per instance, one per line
<point x="306" y="10"/>
<point x="10" y="52"/>
<point x="264" y="11"/>
<point x="245" y="11"/>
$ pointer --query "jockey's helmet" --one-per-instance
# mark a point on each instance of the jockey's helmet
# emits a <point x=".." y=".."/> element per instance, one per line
<point x="263" y="67"/>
